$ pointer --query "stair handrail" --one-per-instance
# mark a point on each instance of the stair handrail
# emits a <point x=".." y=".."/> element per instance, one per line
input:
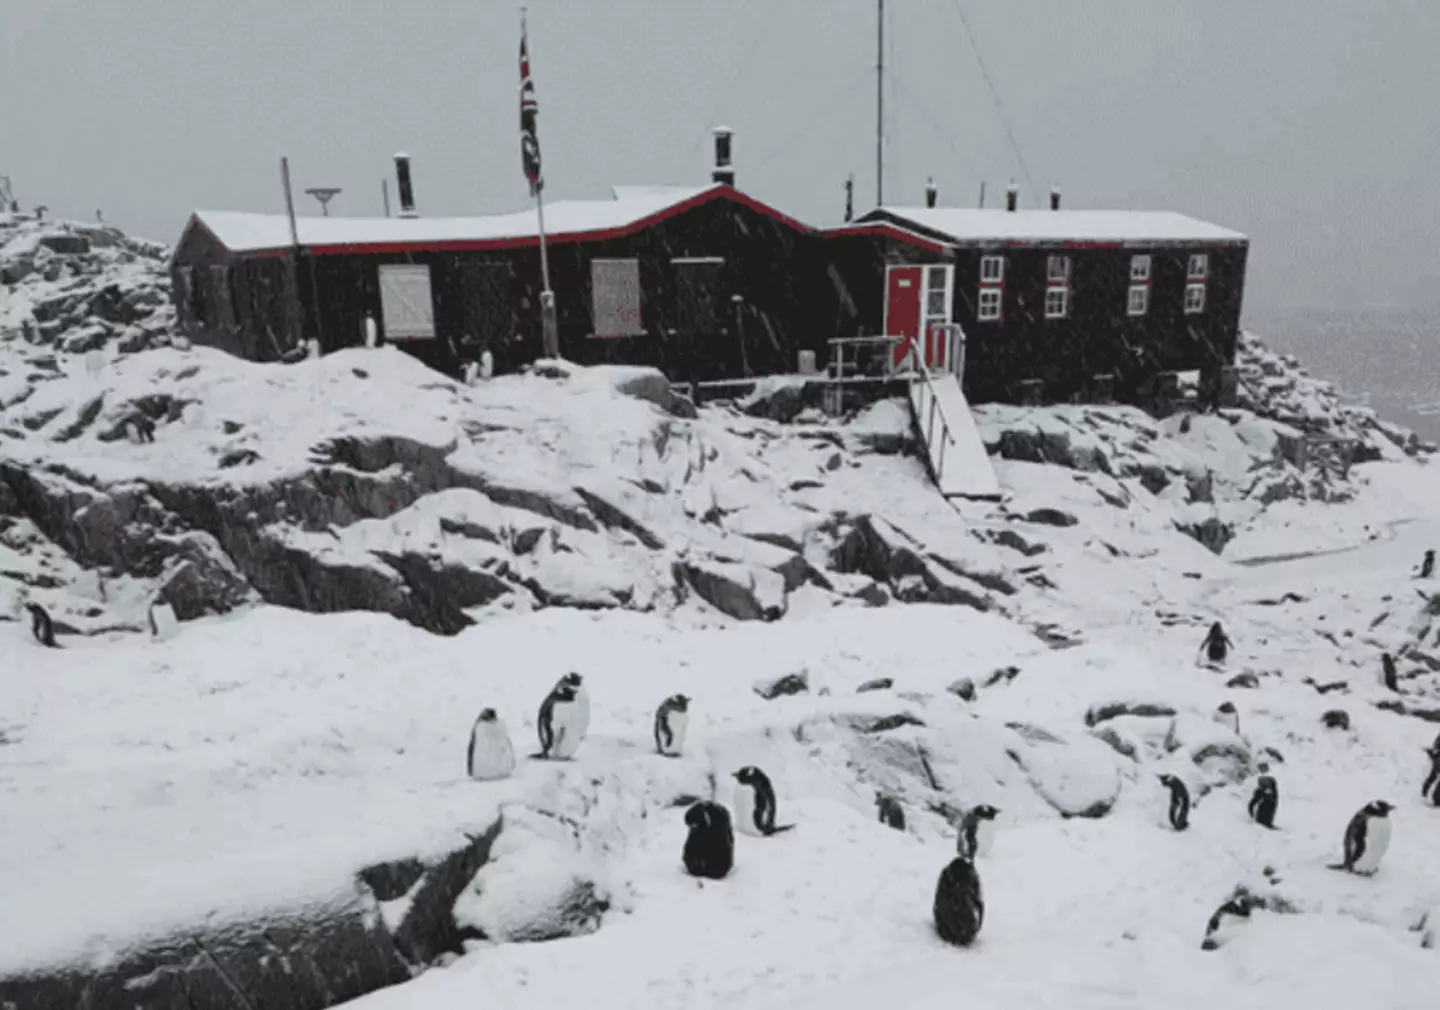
<point x="919" y="368"/>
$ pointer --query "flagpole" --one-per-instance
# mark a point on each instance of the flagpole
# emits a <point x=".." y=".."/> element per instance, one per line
<point x="548" y="324"/>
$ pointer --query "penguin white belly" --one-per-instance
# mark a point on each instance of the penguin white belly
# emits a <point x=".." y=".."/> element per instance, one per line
<point x="1377" y="841"/>
<point x="492" y="755"/>
<point x="678" y="723"/>
<point x="163" y="621"/>
<point x="984" y="837"/>
<point x="580" y="718"/>
<point x="745" y="810"/>
<point x="568" y="726"/>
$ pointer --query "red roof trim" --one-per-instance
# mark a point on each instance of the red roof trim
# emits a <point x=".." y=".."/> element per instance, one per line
<point x="561" y="238"/>
<point x="889" y="231"/>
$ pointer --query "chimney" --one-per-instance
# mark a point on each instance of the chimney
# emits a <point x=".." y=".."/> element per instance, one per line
<point x="1012" y="196"/>
<point x="724" y="171"/>
<point x="850" y="198"/>
<point x="403" y="186"/>
<point x="931" y="192"/>
<point x="1054" y="197"/>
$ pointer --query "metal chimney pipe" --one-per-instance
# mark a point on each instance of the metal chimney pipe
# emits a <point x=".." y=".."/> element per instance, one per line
<point x="850" y="198"/>
<point x="932" y="193"/>
<point x="403" y="185"/>
<point x="1012" y="197"/>
<point x="724" y="171"/>
<point x="1055" y="198"/>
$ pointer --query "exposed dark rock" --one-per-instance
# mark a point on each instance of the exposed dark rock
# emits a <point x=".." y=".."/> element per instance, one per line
<point x="1229" y="762"/>
<point x="1243" y="680"/>
<point x="1120" y="744"/>
<point x="1035" y="734"/>
<point x="1004" y="675"/>
<point x="1336" y="718"/>
<point x="1104" y="713"/>
<point x="238" y="457"/>
<point x="83" y="420"/>
<point x="439" y="593"/>
<point x="718" y="586"/>
<point x="651" y="385"/>
<point x="783" y="401"/>
<point x="1400" y="708"/>
<point x="879" y="684"/>
<point x="1051" y="517"/>
<point x="1212" y="533"/>
<point x="616" y="518"/>
<point x="790" y="683"/>
<point x="392" y="880"/>
<point x="1016" y="542"/>
<point x="879" y="724"/>
<point x="964" y="689"/>
<point x="1034" y="445"/>
<point x="429" y="928"/>
<point x="886" y="554"/>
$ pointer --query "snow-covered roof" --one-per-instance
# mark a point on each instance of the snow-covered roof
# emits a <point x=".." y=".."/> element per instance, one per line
<point x="973" y="225"/>
<point x="631" y="207"/>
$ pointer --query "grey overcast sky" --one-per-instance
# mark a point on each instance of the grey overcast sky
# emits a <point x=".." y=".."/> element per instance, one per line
<point x="1311" y="125"/>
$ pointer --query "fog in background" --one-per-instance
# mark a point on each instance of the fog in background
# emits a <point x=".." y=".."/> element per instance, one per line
<point x="1311" y="125"/>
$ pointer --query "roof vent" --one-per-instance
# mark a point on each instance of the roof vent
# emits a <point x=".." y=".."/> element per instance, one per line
<point x="403" y="185"/>
<point x="1012" y="196"/>
<point x="1055" y="198"/>
<point x="724" y="171"/>
<point x="932" y="193"/>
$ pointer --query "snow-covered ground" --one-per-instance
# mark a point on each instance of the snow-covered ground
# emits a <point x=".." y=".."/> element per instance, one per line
<point x="259" y="758"/>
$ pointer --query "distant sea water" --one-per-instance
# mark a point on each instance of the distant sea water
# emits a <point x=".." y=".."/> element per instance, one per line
<point x="1388" y="359"/>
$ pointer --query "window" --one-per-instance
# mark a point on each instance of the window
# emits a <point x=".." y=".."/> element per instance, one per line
<point x="1194" y="299"/>
<point x="989" y="304"/>
<point x="937" y="293"/>
<point x="615" y="297"/>
<point x="1139" y="270"/>
<point x="1139" y="302"/>
<point x="1199" y="268"/>
<point x="992" y="269"/>
<point x="1057" y="269"/>
<point x="1057" y="300"/>
<point x="407" y="310"/>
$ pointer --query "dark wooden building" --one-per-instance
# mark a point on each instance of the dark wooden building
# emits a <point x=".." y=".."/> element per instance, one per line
<point x="1055" y="305"/>
<point x="701" y="281"/>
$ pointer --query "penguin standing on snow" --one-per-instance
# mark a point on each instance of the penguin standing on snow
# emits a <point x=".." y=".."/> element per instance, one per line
<point x="490" y="755"/>
<point x="41" y="626"/>
<point x="671" y="720"/>
<point x="1389" y="676"/>
<point x="1431" y="788"/>
<point x="1179" y="813"/>
<point x="1226" y="920"/>
<point x="1226" y="715"/>
<point x="892" y="815"/>
<point x="162" y="620"/>
<point x="1427" y="565"/>
<point x="710" y="845"/>
<point x="1264" y="802"/>
<point x="1367" y="838"/>
<point x="959" y="903"/>
<point x="564" y="719"/>
<point x="755" y="803"/>
<point x="1216" y="645"/>
<point x="977" y="832"/>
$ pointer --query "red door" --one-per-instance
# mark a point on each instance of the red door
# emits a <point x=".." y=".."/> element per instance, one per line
<point x="902" y="308"/>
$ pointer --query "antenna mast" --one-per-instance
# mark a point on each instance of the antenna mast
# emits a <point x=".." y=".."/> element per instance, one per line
<point x="880" y="105"/>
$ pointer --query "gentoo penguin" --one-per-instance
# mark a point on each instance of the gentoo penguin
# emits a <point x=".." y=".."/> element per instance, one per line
<point x="1179" y="813"/>
<point x="1389" y="676"/>
<point x="1427" y="565"/>
<point x="1431" y="789"/>
<point x="1265" y="801"/>
<point x="564" y="719"/>
<point x="162" y="619"/>
<point x="710" y="845"/>
<point x="671" y="719"/>
<point x="977" y="832"/>
<point x="1227" y="716"/>
<point x="891" y="813"/>
<point x="1216" y="645"/>
<point x="959" y="903"/>
<point x="41" y="626"/>
<point x="755" y="803"/>
<point x="490" y="755"/>
<point x="1223" y="924"/>
<point x="1367" y="837"/>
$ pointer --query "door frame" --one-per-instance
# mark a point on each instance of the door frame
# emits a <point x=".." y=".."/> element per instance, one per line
<point x="926" y="319"/>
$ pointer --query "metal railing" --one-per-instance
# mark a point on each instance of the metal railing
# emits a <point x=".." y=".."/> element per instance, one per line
<point x="919" y="370"/>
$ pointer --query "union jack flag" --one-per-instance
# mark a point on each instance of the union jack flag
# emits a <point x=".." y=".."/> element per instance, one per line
<point x="529" y="140"/>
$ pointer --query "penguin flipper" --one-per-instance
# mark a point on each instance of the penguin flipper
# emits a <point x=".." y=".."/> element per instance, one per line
<point x="777" y="829"/>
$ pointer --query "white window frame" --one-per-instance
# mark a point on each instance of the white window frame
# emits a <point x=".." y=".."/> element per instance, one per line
<point x="1060" y="276"/>
<point x="1194" y="299"/>
<point x="1063" y="299"/>
<point x="990" y="304"/>
<point x="1198" y="269"/>
<point x="992" y="269"/>
<point x="407" y="302"/>
<point x="1138" y="302"/>
<point x="1140" y="269"/>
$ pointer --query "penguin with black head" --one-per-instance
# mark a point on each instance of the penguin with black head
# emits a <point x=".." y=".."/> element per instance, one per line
<point x="1217" y="644"/>
<point x="977" y="831"/>
<point x="755" y="804"/>
<point x="564" y="719"/>
<point x="1367" y="839"/>
<point x="1226" y="921"/>
<point x="1265" y="801"/>
<point x="959" y="903"/>
<point x="1430" y="790"/>
<point x="491" y="754"/>
<point x="710" y="845"/>
<point x="1427" y="565"/>
<point x="1389" y="676"/>
<point x="41" y="626"/>
<point x="1179" y="812"/>
<point x="671" y="720"/>
<point x="892" y="814"/>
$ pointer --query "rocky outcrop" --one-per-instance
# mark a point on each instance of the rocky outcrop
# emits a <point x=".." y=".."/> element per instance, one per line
<point x="871" y="546"/>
